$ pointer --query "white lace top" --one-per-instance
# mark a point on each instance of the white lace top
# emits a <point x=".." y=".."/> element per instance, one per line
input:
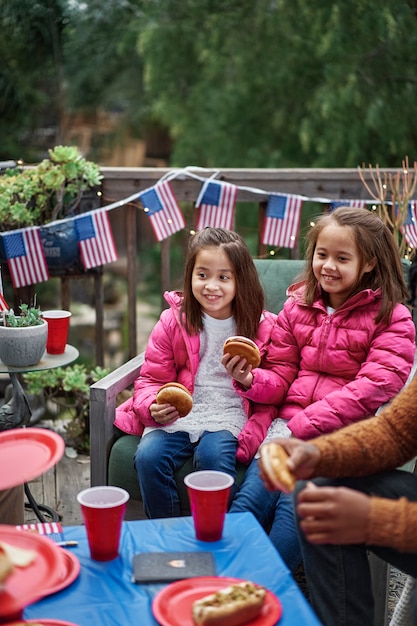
<point x="216" y="405"/>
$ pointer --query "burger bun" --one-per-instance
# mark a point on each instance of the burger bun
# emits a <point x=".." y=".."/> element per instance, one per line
<point x="177" y="395"/>
<point x="274" y="465"/>
<point x="243" y="347"/>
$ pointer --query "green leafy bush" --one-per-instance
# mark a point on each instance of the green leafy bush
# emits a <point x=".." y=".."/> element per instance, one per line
<point x="69" y="389"/>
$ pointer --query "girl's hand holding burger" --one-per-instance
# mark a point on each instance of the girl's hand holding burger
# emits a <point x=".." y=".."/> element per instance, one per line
<point x="163" y="413"/>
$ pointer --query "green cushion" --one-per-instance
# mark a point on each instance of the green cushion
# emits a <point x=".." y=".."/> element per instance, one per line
<point x="122" y="473"/>
<point x="276" y="275"/>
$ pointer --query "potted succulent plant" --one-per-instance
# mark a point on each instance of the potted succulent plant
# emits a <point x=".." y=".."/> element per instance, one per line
<point x="23" y="337"/>
<point x="53" y="190"/>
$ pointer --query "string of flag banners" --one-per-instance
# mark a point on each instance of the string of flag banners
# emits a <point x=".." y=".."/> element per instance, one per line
<point x="215" y="207"/>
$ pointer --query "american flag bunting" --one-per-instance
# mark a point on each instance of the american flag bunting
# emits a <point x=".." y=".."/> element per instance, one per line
<point x="95" y="239"/>
<point x="282" y="221"/>
<point x="216" y="202"/>
<point x="409" y="228"/>
<point x="25" y="257"/>
<point x="358" y="204"/>
<point x="161" y="207"/>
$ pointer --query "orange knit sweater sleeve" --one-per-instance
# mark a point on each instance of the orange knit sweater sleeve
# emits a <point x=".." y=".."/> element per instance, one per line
<point x="379" y="443"/>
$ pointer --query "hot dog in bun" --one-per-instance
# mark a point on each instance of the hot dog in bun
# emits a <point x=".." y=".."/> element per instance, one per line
<point x="243" y="347"/>
<point x="177" y="395"/>
<point x="274" y="464"/>
<point x="232" y="606"/>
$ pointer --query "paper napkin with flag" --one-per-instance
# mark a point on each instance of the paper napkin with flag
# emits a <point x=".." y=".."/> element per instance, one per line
<point x="95" y="239"/>
<point x="409" y="228"/>
<point x="161" y="206"/>
<point x="25" y="256"/>
<point x="359" y="204"/>
<point x="282" y="221"/>
<point x="216" y="202"/>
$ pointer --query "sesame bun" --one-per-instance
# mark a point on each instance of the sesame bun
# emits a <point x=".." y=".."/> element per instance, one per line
<point x="243" y="347"/>
<point x="274" y="464"/>
<point x="177" y="395"/>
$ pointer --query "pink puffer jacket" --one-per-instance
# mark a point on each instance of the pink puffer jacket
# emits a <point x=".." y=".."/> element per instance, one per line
<point x="325" y="371"/>
<point x="173" y="355"/>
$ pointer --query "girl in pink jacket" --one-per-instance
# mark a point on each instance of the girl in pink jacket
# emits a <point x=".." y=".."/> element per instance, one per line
<point x="222" y="297"/>
<point x="343" y="345"/>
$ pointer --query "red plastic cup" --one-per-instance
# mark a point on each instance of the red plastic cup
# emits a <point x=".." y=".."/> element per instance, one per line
<point x="209" y="492"/>
<point x="103" y="509"/>
<point x="58" y="325"/>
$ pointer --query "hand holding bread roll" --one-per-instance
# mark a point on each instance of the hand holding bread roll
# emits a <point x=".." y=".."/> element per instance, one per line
<point x="177" y="395"/>
<point x="274" y="467"/>
<point x="243" y="347"/>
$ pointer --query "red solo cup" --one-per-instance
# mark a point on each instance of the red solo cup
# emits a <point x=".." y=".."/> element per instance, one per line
<point x="103" y="509"/>
<point x="208" y="492"/>
<point x="58" y="325"/>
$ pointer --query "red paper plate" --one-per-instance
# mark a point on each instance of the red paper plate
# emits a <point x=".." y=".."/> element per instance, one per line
<point x="70" y="569"/>
<point x="172" y="605"/>
<point x="26" y="453"/>
<point x="27" y="584"/>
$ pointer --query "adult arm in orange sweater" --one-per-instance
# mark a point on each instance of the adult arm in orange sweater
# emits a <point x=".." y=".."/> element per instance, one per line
<point x="341" y="515"/>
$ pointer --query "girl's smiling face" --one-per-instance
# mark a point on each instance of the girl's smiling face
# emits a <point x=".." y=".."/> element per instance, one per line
<point x="213" y="282"/>
<point x="337" y="263"/>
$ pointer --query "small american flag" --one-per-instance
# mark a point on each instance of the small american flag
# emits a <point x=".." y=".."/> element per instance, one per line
<point x="282" y="221"/>
<point x="409" y="228"/>
<point x="161" y="207"/>
<point x="216" y="202"/>
<point x="358" y="204"/>
<point x="3" y="304"/>
<point x="95" y="239"/>
<point x="25" y="257"/>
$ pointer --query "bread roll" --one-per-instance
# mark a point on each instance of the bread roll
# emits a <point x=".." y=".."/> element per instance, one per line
<point x="274" y="463"/>
<point x="177" y="395"/>
<point x="243" y="347"/>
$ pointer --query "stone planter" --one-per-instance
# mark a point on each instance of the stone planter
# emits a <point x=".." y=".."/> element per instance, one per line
<point x="23" y="346"/>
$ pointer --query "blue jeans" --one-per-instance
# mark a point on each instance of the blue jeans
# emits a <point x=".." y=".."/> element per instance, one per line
<point x="273" y="510"/>
<point x="160" y="454"/>
<point x="338" y="576"/>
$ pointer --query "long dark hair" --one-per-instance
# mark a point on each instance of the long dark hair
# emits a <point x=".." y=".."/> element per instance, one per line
<point x="248" y="302"/>
<point x="374" y="241"/>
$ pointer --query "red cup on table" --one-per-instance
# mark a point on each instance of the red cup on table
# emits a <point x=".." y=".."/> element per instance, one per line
<point x="58" y="325"/>
<point x="103" y="509"/>
<point x="209" y="493"/>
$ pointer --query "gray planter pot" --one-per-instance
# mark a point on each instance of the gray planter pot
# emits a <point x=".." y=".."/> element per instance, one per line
<point x="23" y="346"/>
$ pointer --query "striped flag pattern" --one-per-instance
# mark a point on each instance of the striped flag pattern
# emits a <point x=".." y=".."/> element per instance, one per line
<point x="3" y="304"/>
<point x="25" y="257"/>
<point x="282" y="221"/>
<point x="358" y="204"/>
<point x="216" y="202"/>
<point x="161" y="207"/>
<point x="409" y="228"/>
<point x="95" y="239"/>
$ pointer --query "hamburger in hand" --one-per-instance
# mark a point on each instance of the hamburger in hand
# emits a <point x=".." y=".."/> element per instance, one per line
<point x="243" y="347"/>
<point x="177" y="395"/>
<point x="274" y="466"/>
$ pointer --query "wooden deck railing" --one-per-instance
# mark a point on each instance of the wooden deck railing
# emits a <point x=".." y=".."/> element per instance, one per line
<point x="121" y="183"/>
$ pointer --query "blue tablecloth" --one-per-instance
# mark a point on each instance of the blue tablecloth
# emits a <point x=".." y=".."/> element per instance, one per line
<point x="105" y="595"/>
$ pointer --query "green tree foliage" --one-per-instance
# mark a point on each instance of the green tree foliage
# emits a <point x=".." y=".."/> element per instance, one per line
<point x="238" y="83"/>
<point x="287" y="83"/>
<point x="31" y="73"/>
